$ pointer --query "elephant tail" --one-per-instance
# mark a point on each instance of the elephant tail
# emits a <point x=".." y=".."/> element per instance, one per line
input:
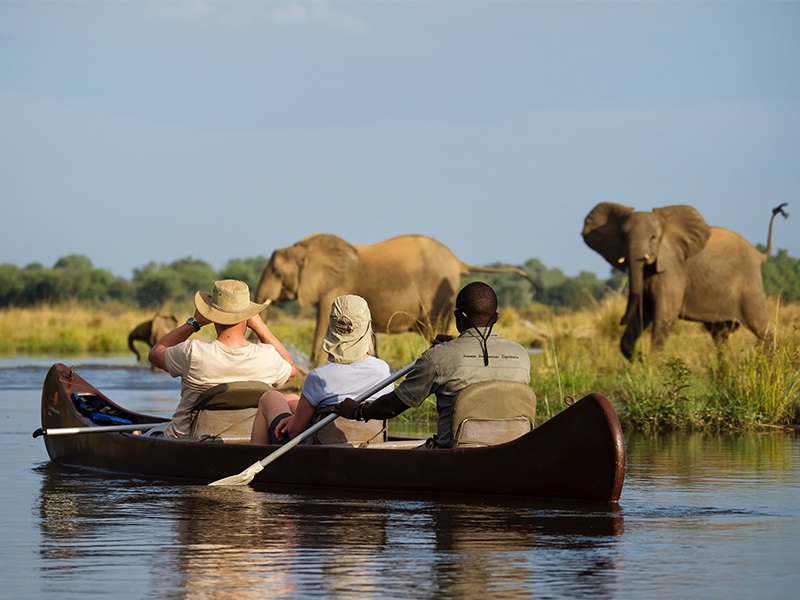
<point x="778" y="210"/>
<point x="473" y="269"/>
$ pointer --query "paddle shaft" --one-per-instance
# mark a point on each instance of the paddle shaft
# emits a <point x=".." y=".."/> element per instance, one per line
<point x="99" y="429"/>
<point x="333" y="416"/>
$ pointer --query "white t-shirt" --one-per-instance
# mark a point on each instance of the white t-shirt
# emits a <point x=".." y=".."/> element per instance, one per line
<point x="202" y="365"/>
<point x="331" y="383"/>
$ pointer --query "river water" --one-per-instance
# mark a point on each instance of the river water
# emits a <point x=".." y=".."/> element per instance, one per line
<point x="699" y="516"/>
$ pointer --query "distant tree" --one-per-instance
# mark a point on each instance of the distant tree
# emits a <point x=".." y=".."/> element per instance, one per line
<point x="76" y="262"/>
<point x="79" y="280"/>
<point x="154" y="288"/>
<point x="157" y="284"/>
<point x="511" y="289"/>
<point x="12" y="286"/>
<point x="245" y="269"/>
<point x="40" y="285"/>
<point x="193" y="275"/>
<point x="782" y="276"/>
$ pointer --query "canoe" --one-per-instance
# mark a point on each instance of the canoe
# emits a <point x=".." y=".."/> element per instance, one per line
<point x="579" y="454"/>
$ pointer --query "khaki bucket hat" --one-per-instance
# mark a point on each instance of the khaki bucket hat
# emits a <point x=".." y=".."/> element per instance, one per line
<point x="228" y="303"/>
<point x="349" y="335"/>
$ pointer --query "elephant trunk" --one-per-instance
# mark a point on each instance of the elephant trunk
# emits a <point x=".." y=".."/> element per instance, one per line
<point x="132" y="346"/>
<point x="141" y="333"/>
<point x="265" y="312"/>
<point x="262" y="294"/>
<point x="636" y="276"/>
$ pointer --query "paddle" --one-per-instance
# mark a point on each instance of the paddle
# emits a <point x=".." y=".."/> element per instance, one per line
<point x="101" y="429"/>
<point x="247" y="475"/>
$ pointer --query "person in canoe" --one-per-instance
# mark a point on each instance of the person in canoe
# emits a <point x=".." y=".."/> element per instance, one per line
<point x="352" y="368"/>
<point x="230" y="357"/>
<point x="451" y="364"/>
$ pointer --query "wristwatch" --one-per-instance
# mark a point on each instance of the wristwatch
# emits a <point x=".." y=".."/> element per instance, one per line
<point x="193" y="322"/>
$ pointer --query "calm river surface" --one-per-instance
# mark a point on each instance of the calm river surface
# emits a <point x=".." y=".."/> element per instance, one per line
<point x="700" y="517"/>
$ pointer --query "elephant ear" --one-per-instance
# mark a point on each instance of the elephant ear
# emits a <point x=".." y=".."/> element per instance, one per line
<point x="602" y="231"/>
<point x="685" y="234"/>
<point x="325" y="263"/>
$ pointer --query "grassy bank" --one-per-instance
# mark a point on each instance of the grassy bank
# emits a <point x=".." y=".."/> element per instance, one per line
<point x="690" y="386"/>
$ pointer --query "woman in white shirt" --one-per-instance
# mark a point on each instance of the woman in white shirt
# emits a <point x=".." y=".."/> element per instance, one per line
<point x="351" y="369"/>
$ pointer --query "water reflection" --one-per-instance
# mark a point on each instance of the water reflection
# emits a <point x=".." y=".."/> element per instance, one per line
<point x="203" y="541"/>
<point x="485" y="550"/>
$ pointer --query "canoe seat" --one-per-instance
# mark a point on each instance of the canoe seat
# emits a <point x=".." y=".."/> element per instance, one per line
<point x="226" y="411"/>
<point x="493" y="412"/>
<point x="359" y="434"/>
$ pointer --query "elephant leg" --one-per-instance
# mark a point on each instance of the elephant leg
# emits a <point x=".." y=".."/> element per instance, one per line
<point x="661" y="329"/>
<point x="665" y="310"/>
<point x="756" y="319"/>
<point x="721" y="330"/>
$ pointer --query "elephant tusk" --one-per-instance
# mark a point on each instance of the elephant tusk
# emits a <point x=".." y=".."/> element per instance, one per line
<point x="620" y="260"/>
<point x="647" y="257"/>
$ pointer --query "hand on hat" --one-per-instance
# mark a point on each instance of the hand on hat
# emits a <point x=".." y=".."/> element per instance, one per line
<point x="201" y="320"/>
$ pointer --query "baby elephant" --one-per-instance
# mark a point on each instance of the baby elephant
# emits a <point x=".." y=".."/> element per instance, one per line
<point x="681" y="267"/>
<point x="151" y="331"/>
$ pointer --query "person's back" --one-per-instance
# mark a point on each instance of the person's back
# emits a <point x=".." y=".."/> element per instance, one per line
<point x="451" y="364"/>
<point x="202" y="365"/>
<point x="351" y="370"/>
<point x="449" y="367"/>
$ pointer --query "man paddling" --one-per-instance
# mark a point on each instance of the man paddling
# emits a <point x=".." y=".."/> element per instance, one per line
<point x="451" y="364"/>
<point x="230" y="357"/>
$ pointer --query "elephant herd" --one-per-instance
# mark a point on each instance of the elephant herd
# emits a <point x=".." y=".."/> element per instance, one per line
<point x="678" y="267"/>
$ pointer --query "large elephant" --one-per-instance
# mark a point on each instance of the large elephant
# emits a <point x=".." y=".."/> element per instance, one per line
<point x="410" y="281"/>
<point x="680" y="267"/>
<point x="151" y="331"/>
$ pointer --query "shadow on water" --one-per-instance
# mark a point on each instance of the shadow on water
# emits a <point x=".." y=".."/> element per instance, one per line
<point x="202" y="540"/>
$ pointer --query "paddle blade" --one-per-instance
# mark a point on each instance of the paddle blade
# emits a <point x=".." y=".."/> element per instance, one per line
<point x="242" y="478"/>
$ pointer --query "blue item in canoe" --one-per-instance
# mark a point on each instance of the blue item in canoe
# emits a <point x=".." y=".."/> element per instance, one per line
<point x="101" y="418"/>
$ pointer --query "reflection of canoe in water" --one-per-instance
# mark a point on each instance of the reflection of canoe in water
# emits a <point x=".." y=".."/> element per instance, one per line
<point x="578" y="454"/>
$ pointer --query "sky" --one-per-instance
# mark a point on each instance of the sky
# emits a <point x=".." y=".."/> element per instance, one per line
<point x="138" y="132"/>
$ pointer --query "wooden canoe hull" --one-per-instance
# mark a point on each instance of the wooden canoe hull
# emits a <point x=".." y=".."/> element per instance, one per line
<point x="578" y="454"/>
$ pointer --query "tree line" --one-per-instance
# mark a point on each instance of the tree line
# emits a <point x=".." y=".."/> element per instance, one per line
<point x="74" y="278"/>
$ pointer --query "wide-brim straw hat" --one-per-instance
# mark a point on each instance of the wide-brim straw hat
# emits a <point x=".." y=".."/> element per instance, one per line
<point x="228" y="303"/>
<point x="349" y="336"/>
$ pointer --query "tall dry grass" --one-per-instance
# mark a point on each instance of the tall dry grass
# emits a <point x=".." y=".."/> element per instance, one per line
<point x="690" y="386"/>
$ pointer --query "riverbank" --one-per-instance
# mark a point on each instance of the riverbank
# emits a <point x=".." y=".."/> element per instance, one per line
<point x="690" y="386"/>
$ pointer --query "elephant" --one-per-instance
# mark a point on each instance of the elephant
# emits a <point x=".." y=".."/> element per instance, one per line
<point x="409" y="281"/>
<point x="151" y="331"/>
<point x="681" y="267"/>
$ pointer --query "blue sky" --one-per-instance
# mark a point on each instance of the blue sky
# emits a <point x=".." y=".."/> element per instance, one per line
<point x="153" y="131"/>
